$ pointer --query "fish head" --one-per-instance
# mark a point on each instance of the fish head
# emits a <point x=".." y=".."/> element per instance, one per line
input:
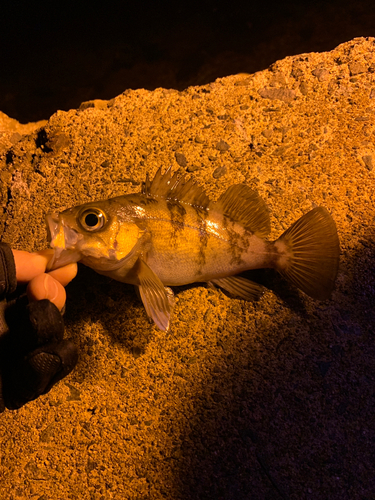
<point x="99" y="234"/>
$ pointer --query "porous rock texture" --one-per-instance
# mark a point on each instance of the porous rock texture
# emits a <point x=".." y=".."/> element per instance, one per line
<point x="239" y="400"/>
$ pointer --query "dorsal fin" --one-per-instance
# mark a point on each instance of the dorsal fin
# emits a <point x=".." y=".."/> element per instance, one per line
<point x="245" y="206"/>
<point x="175" y="187"/>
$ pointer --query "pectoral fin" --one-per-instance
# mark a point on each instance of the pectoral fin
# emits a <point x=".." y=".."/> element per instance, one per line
<point x="240" y="287"/>
<point x="153" y="295"/>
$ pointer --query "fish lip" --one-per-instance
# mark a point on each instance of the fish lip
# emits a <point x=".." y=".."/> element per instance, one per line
<point x="66" y="253"/>
<point x="52" y="225"/>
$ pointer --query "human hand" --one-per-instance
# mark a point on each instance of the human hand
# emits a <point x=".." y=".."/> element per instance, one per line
<point x="33" y="353"/>
<point x="31" y="267"/>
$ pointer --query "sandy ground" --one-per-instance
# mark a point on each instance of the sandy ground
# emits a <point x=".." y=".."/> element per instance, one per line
<point x="239" y="400"/>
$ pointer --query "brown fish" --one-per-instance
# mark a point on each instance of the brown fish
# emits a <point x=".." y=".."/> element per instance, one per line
<point x="171" y="234"/>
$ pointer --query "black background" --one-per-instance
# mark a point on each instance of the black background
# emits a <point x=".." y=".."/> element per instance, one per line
<point x="56" y="55"/>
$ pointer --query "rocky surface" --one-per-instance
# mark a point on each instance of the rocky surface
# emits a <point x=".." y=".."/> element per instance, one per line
<point x="11" y="131"/>
<point x="238" y="400"/>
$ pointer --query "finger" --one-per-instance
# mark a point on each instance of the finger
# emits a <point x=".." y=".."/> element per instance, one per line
<point x="45" y="286"/>
<point x="29" y="265"/>
<point x="64" y="274"/>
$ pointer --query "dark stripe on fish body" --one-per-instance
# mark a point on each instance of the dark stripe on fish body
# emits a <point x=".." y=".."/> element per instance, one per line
<point x="177" y="215"/>
<point x="245" y="239"/>
<point x="273" y="255"/>
<point x="203" y="242"/>
<point x="147" y="200"/>
<point x="177" y="219"/>
<point x="201" y="214"/>
<point x="236" y="246"/>
<point x="176" y="209"/>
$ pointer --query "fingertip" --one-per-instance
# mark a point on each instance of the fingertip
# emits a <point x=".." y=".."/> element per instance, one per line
<point x="45" y="286"/>
<point x="65" y="274"/>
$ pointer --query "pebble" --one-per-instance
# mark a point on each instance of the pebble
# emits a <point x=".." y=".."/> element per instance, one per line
<point x="297" y="72"/>
<point x="267" y="133"/>
<point x="222" y="146"/>
<point x="321" y="74"/>
<point x="303" y="88"/>
<point x="356" y="68"/>
<point x="286" y="95"/>
<point x="75" y="394"/>
<point x="181" y="159"/>
<point x="219" y="172"/>
<point x="192" y="168"/>
<point x="367" y="160"/>
<point x="15" y="137"/>
<point x="278" y="78"/>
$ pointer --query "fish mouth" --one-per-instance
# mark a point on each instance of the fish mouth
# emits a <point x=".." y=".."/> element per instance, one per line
<point x="63" y="240"/>
<point x="52" y="226"/>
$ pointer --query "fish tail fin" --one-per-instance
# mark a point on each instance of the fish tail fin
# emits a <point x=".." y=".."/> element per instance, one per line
<point x="308" y="253"/>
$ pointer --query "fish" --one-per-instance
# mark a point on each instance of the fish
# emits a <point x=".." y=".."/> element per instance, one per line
<point x="172" y="234"/>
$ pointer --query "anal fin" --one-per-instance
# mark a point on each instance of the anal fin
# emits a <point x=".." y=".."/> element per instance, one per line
<point x="240" y="287"/>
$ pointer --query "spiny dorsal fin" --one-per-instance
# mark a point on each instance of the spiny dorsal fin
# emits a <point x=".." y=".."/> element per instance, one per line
<point x="175" y="187"/>
<point x="146" y="185"/>
<point x="245" y="206"/>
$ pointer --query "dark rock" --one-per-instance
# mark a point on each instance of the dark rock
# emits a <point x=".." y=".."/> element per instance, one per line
<point x="367" y="159"/>
<point x="222" y="146"/>
<point x="219" y="172"/>
<point x="181" y="159"/>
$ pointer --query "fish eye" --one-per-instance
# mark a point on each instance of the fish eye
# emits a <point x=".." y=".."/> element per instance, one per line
<point x="92" y="219"/>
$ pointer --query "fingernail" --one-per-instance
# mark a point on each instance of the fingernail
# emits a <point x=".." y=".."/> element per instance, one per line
<point x="51" y="288"/>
